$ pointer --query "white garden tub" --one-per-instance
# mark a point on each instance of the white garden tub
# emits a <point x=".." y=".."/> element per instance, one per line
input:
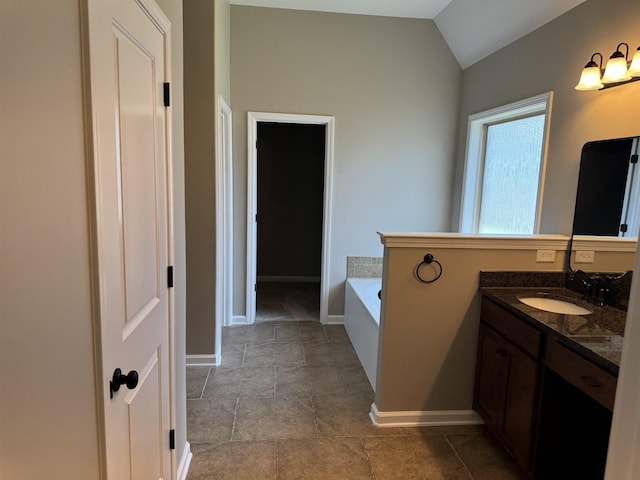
<point x="362" y="321"/>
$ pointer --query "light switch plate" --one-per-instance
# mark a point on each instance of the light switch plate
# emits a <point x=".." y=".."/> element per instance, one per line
<point x="585" y="256"/>
<point x="546" y="256"/>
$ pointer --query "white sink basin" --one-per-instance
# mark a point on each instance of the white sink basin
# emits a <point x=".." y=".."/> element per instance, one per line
<point x="555" y="305"/>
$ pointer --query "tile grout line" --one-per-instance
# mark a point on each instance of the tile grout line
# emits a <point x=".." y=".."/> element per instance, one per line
<point x="446" y="438"/>
<point x="366" y="452"/>
<point x="244" y="354"/>
<point x="277" y="452"/>
<point x="235" y="415"/>
<point x="275" y="380"/>
<point x="315" y="415"/>
<point x="204" y="386"/>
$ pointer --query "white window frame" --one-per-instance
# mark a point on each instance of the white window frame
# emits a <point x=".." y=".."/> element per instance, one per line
<point x="476" y="148"/>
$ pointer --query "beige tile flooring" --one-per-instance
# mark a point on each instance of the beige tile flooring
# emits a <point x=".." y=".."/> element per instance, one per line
<point x="284" y="301"/>
<point x="291" y="401"/>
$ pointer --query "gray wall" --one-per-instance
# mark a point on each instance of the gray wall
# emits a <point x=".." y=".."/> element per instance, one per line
<point x="206" y="75"/>
<point x="199" y="137"/>
<point x="49" y="420"/>
<point x="552" y="58"/>
<point x="392" y="85"/>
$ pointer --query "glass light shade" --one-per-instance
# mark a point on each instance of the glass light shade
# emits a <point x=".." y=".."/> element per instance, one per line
<point x="616" y="70"/>
<point x="634" y="69"/>
<point x="590" y="79"/>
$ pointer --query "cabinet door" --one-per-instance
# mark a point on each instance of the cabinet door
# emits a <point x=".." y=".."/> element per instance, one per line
<point x="520" y="403"/>
<point x="491" y="377"/>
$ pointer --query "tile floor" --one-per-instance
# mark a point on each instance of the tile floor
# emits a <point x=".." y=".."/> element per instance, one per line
<point x="284" y="301"/>
<point x="291" y="401"/>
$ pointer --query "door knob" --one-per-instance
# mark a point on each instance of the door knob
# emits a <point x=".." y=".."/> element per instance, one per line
<point x="130" y="380"/>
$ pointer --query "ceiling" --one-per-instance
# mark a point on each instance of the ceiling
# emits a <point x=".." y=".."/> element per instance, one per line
<point x="473" y="29"/>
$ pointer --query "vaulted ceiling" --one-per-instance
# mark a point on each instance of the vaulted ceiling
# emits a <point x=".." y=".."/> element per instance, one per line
<point x="473" y="29"/>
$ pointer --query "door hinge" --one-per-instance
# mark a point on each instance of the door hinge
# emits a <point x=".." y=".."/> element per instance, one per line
<point x="255" y="287"/>
<point x="634" y="158"/>
<point x="256" y="144"/>
<point x="172" y="439"/>
<point x="256" y="217"/>
<point x="624" y="227"/>
<point x="170" y="277"/>
<point x="167" y="94"/>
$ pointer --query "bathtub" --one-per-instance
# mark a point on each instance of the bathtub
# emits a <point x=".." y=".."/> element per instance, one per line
<point x="362" y="321"/>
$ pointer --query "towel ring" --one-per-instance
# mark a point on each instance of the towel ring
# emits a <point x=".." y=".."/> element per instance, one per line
<point x="428" y="260"/>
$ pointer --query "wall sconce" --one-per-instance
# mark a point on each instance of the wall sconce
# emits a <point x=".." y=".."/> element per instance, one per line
<point x="619" y="71"/>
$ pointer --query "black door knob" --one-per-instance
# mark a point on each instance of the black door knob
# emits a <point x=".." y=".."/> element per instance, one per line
<point x="130" y="380"/>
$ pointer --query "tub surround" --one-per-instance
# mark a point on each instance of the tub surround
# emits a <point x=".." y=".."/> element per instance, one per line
<point x="364" y="267"/>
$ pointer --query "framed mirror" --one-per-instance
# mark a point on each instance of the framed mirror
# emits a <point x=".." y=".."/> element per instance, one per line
<point x="607" y="210"/>
<point x="607" y="198"/>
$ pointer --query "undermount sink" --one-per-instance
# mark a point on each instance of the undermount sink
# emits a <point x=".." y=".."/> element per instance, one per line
<point x="554" y="305"/>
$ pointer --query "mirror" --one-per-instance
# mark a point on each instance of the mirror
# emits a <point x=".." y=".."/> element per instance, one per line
<point x="608" y="189"/>
<point x="607" y="205"/>
<point x="606" y="220"/>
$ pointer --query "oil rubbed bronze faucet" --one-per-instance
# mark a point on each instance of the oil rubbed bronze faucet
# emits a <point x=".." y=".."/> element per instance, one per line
<point x="592" y="286"/>
<point x="600" y="288"/>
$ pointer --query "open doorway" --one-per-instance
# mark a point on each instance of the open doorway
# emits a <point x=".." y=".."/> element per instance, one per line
<point x="290" y="179"/>
<point x="288" y="206"/>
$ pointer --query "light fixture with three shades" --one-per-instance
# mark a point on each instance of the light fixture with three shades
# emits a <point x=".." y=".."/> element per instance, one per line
<point x="619" y="71"/>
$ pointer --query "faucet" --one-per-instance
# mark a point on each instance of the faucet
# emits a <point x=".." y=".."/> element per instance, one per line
<point x="599" y="301"/>
<point x="593" y="285"/>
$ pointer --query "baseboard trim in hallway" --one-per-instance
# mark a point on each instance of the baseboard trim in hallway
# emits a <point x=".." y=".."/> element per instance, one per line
<point x="238" y="320"/>
<point x="212" y="360"/>
<point x="185" y="462"/>
<point x="334" y="320"/>
<point x="423" y="418"/>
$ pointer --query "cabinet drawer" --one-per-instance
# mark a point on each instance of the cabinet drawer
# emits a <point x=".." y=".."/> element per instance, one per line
<point x="525" y="336"/>
<point x="581" y="373"/>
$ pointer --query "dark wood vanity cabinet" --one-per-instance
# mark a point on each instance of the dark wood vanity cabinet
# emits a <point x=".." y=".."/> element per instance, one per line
<point x="507" y="380"/>
<point x="583" y="375"/>
<point x="544" y="402"/>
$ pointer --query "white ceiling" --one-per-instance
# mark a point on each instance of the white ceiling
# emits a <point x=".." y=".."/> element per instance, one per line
<point x="473" y="29"/>
<point x="385" y="8"/>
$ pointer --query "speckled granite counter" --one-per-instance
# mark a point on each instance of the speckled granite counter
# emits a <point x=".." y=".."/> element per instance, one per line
<point x="597" y="337"/>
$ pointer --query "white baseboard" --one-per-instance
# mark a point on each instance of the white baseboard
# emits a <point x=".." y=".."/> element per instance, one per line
<point x="334" y="320"/>
<point x="423" y="418"/>
<point x="203" y="360"/>
<point x="330" y="320"/>
<point x="238" y="320"/>
<point x="185" y="462"/>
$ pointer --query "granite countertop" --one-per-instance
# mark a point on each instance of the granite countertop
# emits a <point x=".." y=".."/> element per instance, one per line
<point x="597" y="336"/>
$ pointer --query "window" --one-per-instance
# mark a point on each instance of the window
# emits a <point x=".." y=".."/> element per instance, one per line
<point x="504" y="171"/>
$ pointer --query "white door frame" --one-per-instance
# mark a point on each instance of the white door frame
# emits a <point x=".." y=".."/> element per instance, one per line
<point x="252" y="202"/>
<point x="224" y="222"/>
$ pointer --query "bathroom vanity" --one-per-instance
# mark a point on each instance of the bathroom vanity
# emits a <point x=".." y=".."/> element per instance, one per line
<point x="545" y="382"/>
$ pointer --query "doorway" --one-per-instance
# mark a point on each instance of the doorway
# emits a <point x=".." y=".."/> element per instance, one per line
<point x="290" y="162"/>
<point x="289" y="228"/>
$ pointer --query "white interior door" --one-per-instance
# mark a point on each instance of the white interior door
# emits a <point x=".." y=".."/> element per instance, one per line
<point x="128" y="60"/>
